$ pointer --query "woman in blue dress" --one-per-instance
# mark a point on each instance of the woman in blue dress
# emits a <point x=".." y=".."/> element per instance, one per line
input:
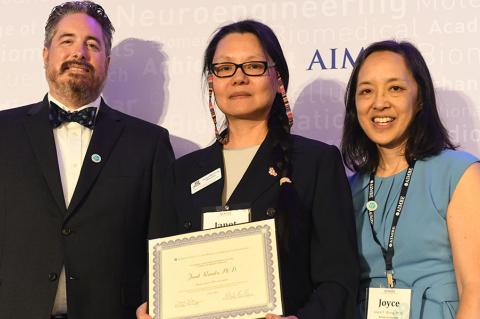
<point x="415" y="197"/>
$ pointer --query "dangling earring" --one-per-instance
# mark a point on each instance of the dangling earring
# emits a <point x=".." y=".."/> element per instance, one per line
<point x="288" y="110"/>
<point x="218" y="136"/>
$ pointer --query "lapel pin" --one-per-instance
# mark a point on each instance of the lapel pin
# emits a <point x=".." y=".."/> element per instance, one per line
<point x="96" y="158"/>
<point x="284" y="180"/>
<point x="272" y="171"/>
<point x="372" y="205"/>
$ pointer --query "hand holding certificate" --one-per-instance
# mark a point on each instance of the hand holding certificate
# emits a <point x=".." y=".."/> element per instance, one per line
<point x="218" y="273"/>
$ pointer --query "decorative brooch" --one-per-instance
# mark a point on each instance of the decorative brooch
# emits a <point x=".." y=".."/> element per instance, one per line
<point x="272" y="171"/>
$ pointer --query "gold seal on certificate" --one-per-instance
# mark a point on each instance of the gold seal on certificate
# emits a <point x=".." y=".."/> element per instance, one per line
<point x="229" y="272"/>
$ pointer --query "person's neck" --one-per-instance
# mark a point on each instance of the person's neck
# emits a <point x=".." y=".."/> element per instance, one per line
<point x="243" y="133"/>
<point x="391" y="161"/>
<point x="71" y="102"/>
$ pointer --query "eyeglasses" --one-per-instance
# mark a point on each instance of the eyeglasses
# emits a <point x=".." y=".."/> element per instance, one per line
<point x="251" y="68"/>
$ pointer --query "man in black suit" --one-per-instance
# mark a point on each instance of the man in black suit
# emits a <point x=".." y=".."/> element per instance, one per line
<point x="78" y="181"/>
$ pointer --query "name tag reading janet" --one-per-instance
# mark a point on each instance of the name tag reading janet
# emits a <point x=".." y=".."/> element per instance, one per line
<point x="225" y="218"/>
<point x="206" y="180"/>
<point x="388" y="303"/>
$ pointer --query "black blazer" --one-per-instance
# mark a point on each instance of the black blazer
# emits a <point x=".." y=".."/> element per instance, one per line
<point x="318" y="263"/>
<point x="100" y="238"/>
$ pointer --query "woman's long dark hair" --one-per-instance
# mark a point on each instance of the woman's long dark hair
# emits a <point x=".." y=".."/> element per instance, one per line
<point x="426" y="135"/>
<point x="278" y="125"/>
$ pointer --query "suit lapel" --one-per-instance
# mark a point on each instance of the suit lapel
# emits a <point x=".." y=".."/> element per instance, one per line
<point x="211" y="160"/>
<point x="41" y="137"/>
<point x="257" y="178"/>
<point x="253" y="184"/>
<point x="108" y="128"/>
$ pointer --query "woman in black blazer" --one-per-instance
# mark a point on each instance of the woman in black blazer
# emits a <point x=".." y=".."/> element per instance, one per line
<point x="299" y="182"/>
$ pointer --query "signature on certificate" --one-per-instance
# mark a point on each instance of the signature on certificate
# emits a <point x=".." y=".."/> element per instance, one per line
<point x="186" y="303"/>
<point x="237" y="294"/>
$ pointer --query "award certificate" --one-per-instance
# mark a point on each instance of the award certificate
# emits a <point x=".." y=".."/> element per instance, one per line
<point x="229" y="272"/>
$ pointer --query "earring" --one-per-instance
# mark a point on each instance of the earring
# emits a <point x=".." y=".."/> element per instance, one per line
<point x="288" y="110"/>
<point x="218" y="136"/>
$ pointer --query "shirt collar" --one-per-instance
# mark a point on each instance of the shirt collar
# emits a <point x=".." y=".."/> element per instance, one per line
<point x="95" y="103"/>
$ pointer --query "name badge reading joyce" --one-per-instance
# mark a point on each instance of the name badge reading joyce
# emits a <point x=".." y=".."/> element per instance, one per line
<point x="206" y="180"/>
<point x="225" y="218"/>
<point x="388" y="303"/>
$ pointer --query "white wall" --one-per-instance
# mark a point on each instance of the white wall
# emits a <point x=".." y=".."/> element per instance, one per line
<point x="155" y="72"/>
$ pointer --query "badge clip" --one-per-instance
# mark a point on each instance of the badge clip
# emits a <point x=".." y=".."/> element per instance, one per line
<point x="390" y="280"/>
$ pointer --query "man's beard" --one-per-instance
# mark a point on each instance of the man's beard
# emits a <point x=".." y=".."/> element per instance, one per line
<point x="83" y="88"/>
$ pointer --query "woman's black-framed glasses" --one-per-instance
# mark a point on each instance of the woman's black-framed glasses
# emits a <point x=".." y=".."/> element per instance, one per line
<point x="250" y="68"/>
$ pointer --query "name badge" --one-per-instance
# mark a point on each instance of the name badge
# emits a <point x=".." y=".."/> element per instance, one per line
<point x="225" y="218"/>
<point x="206" y="180"/>
<point x="388" y="303"/>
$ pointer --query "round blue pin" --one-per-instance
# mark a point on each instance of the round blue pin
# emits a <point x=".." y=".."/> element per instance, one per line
<point x="96" y="158"/>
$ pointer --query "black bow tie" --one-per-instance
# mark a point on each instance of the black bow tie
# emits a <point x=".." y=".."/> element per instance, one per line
<point x="85" y="117"/>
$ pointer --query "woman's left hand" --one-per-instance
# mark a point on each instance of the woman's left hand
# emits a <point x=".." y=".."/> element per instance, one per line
<point x="272" y="316"/>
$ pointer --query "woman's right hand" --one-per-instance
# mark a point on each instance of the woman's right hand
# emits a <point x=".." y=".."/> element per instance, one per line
<point x="142" y="312"/>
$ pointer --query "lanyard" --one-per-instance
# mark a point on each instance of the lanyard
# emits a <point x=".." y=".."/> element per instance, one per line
<point x="372" y="206"/>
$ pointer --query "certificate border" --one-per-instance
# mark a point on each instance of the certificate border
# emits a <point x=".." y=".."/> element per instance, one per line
<point x="221" y="233"/>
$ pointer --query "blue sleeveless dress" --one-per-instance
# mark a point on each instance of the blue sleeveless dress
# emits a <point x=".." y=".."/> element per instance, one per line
<point x="423" y="257"/>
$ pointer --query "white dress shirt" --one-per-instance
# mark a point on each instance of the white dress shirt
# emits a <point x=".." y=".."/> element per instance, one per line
<point x="71" y="143"/>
